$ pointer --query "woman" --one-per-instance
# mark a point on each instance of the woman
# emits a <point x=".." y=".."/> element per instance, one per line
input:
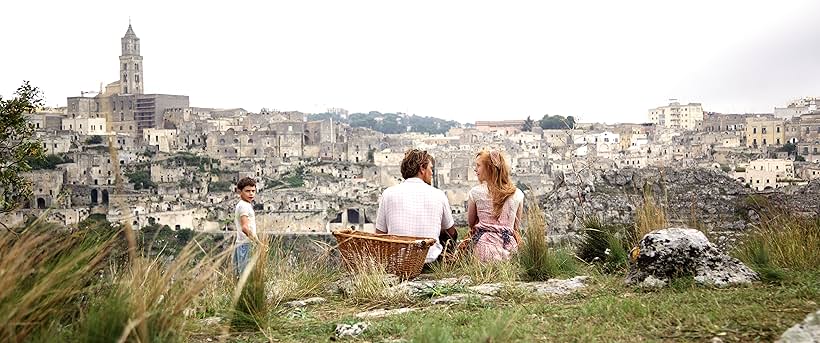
<point x="494" y="208"/>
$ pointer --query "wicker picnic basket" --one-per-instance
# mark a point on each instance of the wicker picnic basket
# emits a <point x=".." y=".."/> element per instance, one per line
<point x="400" y="255"/>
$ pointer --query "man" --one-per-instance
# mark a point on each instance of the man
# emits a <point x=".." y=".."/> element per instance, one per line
<point x="414" y="207"/>
<point x="245" y="221"/>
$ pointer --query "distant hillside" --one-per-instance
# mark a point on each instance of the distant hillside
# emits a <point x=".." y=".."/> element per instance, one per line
<point x="391" y="122"/>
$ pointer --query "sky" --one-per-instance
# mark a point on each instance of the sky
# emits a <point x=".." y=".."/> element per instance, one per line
<point x="600" y="61"/>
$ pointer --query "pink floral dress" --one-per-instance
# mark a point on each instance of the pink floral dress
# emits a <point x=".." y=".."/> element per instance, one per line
<point x="493" y="238"/>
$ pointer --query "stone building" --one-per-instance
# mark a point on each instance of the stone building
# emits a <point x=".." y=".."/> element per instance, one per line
<point x="124" y="101"/>
<point x="767" y="174"/>
<point x="46" y="122"/>
<point x="164" y="139"/>
<point x="677" y="116"/>
<point x="797" y="108"/>
<point x="765" y="131"/>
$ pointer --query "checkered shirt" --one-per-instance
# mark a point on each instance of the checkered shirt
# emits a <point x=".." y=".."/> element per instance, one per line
<point x="414" y="208"/>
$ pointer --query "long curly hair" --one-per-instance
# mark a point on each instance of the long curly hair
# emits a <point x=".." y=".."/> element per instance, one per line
<point x="497" y="173"/>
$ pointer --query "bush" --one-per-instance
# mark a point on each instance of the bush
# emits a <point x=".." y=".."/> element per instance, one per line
<point x="220" y="186"/>
<point x="48" y="162"/>
<point x="140" y="179"/>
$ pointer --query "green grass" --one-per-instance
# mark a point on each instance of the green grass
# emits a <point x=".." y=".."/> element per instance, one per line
<point x="606" y="312"/>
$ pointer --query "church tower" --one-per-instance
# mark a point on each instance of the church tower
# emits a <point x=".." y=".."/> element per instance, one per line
<point x="131" y="81"/>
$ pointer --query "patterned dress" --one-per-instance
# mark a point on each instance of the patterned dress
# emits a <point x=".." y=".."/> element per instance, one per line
<point x="493" y="238"/>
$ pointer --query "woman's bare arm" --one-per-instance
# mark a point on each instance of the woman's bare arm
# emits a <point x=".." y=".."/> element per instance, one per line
<point x="472" y="216"/>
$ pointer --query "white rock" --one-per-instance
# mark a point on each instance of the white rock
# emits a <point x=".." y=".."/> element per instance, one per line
<point x="460" y="298"/>
<point x="384" y="312"/>
<point x="808" y="331"/>
<point x="557" y="286"/>
<point x="305" y="302"/>
<point x="343" y="330"/>
<point x="211" y="321"/>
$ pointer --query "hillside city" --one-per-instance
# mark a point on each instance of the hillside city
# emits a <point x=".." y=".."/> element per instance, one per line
<point x="323" y="171"/>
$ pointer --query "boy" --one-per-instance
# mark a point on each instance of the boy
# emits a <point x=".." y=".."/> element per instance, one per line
<point x="245" y="221"/>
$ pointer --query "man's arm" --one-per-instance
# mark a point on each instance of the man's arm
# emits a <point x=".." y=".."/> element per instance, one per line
<point x="447" y="223"/>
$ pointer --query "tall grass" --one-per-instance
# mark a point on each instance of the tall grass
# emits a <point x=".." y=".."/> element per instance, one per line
<point x="148" y="300"/>
<point x="250" y="298"/>
<point x="479" y="272"/>
<point x="370" y="283"/>
<point x="537" y="260"/>
<point x="649" y="216"/>
<point x="44" y="275"/>
<point x="297" y="277"/>
<point x="782" y="240"/>
<point x="605" y="245"/>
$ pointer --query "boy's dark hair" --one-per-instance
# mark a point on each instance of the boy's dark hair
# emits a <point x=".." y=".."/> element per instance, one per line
<point x="245" y="182"/>
<point x="414" y="161"/>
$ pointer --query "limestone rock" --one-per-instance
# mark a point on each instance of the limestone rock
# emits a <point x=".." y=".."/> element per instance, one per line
<point x="549" y="287"/>
<point x="423" y="287"/>
<point x="211" y="321"/>
<point x="460" y="298"/>
<point x="808" y="331"/>
<point x="557" y="286"/>
<point x="682" y="252"/>
<point x="343" y="330"/>
<point x="305" y="302"/>
<point x="488" y="288"/>
<point x="379" y="313"/>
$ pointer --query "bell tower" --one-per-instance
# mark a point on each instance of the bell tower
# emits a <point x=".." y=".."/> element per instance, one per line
<point x="131" y="81"/>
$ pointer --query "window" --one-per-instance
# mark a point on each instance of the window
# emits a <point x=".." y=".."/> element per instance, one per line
<point x="137" y="78"/>
<point x="778" y="129"/>
<point x="754" y="130"/>
<point x="763" y="130"/>
<point x="137" y="67"/>
<point x="124" y="66"/>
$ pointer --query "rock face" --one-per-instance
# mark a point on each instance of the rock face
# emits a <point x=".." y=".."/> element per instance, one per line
<point x="808" y="331"/>
<point x="711" y="197"/>
<point x="681" y="252"/>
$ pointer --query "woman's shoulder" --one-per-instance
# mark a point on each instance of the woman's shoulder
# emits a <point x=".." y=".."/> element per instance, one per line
<point x="518" y="195"/>
<point x="479" y="189"/>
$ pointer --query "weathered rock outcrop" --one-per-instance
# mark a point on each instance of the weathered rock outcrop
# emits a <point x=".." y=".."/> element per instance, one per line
<point x="709" y="197"/>
<point x="681" y="252"/>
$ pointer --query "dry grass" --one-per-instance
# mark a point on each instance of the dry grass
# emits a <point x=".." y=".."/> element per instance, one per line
<point x="43" y="275"/>
<point x="783" y="240"/>
<point x="535" y="257"/>
<point x="151" y="299"/>
<point x="649" y="216"/>
<point x="369" y="284"/>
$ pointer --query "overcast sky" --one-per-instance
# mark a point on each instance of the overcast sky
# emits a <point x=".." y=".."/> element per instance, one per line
<point x="607" y="61"/>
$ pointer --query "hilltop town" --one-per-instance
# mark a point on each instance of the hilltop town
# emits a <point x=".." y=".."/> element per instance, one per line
<point x="322" y="171"/>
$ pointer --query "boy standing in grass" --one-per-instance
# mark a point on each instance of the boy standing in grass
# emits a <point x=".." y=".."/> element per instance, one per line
<point x="245" y="221"/>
